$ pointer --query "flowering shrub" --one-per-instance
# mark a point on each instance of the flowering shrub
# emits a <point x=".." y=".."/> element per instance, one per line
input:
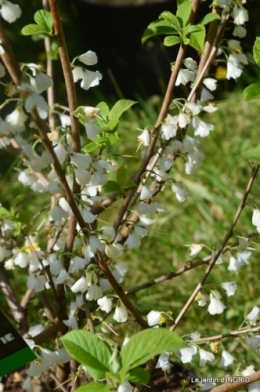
<point x="74" y="259"/>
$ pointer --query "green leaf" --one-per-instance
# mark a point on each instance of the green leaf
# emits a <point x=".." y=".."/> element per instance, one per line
<point x="101" y="140"/>
<point x="138" y="376"/>
<point x="90" y="147"/>
<point x="209" y="18"/>
<point x="254" y="153"/>
<point x="111" y="186"/>
<point x="53" y="53"/>
<point x="184" y="11"/>
<point x="153" y="30"/>
<point x="256" y="51"/>
<point x="120" y="107"/>
<point x="17" y="227"/>
<point x="197" y="38"/>
<point x="93" y="387"/>
<point x="81" y="115"/>
<point x="44" y="20"/>
<point x="24" y="217"/>
<point x="112" y="139"/>
<point x="171" y="40"/>
<point x="179" y="2"/>
<point x="4" y="214"/>
<point x="104" y="109"/>
<point x="170" y="18"/>
<point x="89" y="350"/>
<point x="112" y="123"/>
<point x="129" y="184"/>
<point x="32" y="29"/>
<point x="252" y="91"/>
<point x="121" y="175"/>
<point x="148" y="343"/>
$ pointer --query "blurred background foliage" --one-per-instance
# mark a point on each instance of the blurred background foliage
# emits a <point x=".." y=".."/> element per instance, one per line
<point x="215" y="189"/>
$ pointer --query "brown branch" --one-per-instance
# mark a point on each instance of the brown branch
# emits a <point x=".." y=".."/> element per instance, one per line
<point x="234" y="334"/>
<point x="120" y="292"/>
<point x="187" y="266"/>
<point x="68" y="77"/>
<point x="163" y="112"/>
<point x="57" y="381"/>
<point x="210" y="55"/>
<point x="50" y="333"/>
<point x="211" y="35"/>
<point x="18" y="312"/>
<point x="229" y="386"/>
<point x="219" y="251"/>
<point x="9" y="58"/>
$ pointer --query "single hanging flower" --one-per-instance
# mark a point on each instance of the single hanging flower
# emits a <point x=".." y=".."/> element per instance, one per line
<point x="226" y="359"/>
<point x="88" y="78"/>
<point x="215" y="306"/>
<point x="9" y="11"/>
<point x="88" y="58"/>
<point x="120" y="314"/>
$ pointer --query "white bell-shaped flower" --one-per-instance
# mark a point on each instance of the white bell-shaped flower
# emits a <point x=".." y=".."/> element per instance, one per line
<point x="215" y="306"/>
<point x="253" y="316"/>
<point x="9" y="11"/>
<point x="120" y="314"/>
<point x="187" y="353"/>
<point x="88" y="58"/>
<point x="105" y="304"/>
<point x="80" y="285"/>
<point x="226" y="358"/>
<point x="205" y="356"/>
<point x="94" y="292"/>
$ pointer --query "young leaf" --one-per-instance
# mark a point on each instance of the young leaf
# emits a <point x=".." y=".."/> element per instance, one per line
<point x="171" y="40"/>
<point x="90" y="147"/>
<point x="169" y="17"/>
<point x="101" y="140"/>
<point x="90" y="350"/>
<point x="197" y="38"/>
<point x="32" y="29"/>
<point x="209" y="18"/>
<point x="17" y="227"/>
<point x="113" y="123"/>
<point x="44" y="20"/>
<point x="4" y="214"/>
<point x="93" y="387"/>
<point x="156" y="29"/>
<point x="138" y="376"/>
<point x="104" y="108"/>
<point x="256" y="51"/>
<point x="252" y="91"/>
<point x="111" y="186"/>
<point x="184" y="11"/>
<point x="148" y="343"/>
<point x="179" y="2"/>
<point x="113" y="139"/>
<point x="120" y="107"/>
<point x="81" y="115"/>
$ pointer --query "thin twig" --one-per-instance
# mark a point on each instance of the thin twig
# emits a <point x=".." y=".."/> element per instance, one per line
<point x="229" y="386"/>
<point x="59" y="385"/>
<point x="17" y="310"/>
<point x="224" y="335"/>
<point x="187" y="266"/>
<point x="220" y="250"/>
<point x="87" y="313"/>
